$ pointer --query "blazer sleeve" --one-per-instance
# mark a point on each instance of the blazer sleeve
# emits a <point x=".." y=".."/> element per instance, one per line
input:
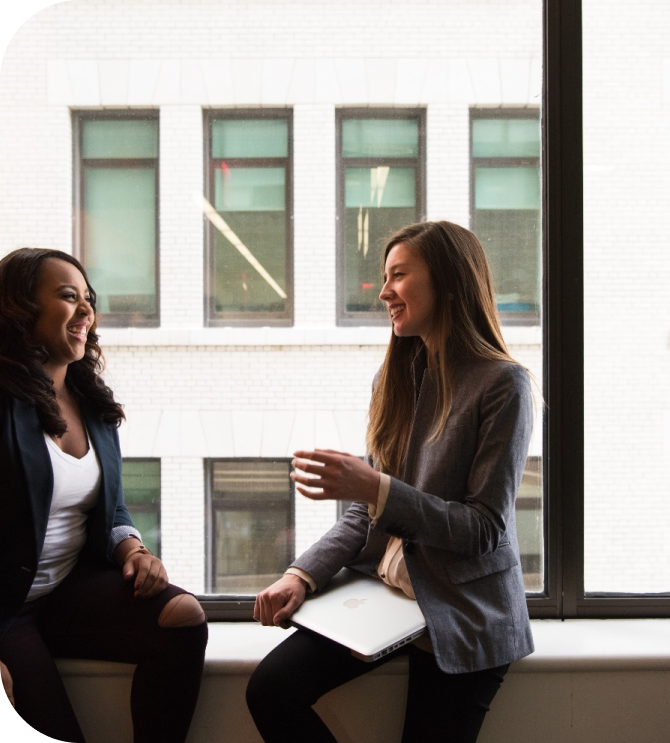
<point x="475" y="521"/>
<point x="338" y="547"/>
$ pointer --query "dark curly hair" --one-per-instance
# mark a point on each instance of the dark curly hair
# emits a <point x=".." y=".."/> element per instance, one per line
<point x="22" y="360"/>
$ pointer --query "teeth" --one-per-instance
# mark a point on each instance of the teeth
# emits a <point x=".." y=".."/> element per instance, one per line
<point x="395" y="310"/>
<point x="78" y="331"/>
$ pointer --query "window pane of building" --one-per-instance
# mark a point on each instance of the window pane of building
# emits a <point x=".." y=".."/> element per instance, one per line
<point x="506" y="207"/>
<point x="119" y="139"/>
<point x="380" y="172"/>
<point x="626" y="299"/>
<point x="379" y="138"/>
<point x="142" y="492"/>
<point x="250" y="138"/>
<point x="252" y="534"/>
<point x="249" y="229"/>
<point x="118" y="216"/>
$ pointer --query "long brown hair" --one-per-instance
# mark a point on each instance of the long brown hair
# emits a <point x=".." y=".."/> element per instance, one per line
<point x="465" y="326"/>
<point x="22" y="360"/>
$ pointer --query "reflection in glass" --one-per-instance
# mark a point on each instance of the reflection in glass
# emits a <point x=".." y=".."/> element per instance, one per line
<point x="380" y="195"/>
<point x="142" y="493"/>
<point x="249" y="187"/>
<point x="506" y="206"/>
<point x="252" y="524"/>
<point x="119" y="187"/>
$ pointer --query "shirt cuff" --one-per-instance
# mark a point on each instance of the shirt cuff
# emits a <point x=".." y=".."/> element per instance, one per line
<point x="375" y="512"/>
<point x="305" y="576"/>
<point x="118" y="535"/>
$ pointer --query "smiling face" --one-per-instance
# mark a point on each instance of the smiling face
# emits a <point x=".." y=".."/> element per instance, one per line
<point x="65" y="314"/>
<point x="408" y="293"/>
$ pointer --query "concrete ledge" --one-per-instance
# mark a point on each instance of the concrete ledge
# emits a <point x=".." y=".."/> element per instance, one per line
<point x="589" y="680"/>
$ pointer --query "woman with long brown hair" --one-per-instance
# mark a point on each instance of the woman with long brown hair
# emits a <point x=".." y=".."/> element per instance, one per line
<point x="75" y="579"/>
<point x="449" y="429"/>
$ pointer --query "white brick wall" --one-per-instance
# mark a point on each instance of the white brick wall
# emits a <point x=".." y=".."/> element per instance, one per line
<point x="194" y="392"/>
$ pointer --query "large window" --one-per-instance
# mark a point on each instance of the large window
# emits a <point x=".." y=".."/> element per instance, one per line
<point x="506" y="214"/>
<point x="380" y="189"/>
<point x="250" y="524"/>
<point x="142" y="491"/>
<point x="116" y="204"/>
<point x="248" y="214"/>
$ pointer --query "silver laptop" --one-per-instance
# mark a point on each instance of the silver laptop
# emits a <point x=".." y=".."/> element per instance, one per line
<point x="362" y="613"/>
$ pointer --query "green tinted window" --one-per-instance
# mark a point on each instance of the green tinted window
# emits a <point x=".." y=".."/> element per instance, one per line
<point x="249" y="231"/>
<point x="248" y="138"/>
<point x="250" y="189"/>
<point x="380" y="187"/>
<point x="119" y="237"/>
<point x="142" y="492"/>
<point x="505" y="138"/>
<point x="119" y="139"/>
<point x="507" y="208"/>
<point x="380" y="138"/>
<point x="507" y="188"/>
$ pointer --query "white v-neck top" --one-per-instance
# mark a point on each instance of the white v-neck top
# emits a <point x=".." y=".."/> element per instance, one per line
<point x="75" y="493"/>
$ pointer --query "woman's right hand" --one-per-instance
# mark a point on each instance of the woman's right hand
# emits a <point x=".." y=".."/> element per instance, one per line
<point x="277" y="603"/>
<point x="7" y="683"/>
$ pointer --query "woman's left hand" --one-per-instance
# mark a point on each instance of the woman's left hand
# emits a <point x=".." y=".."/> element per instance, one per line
<point x="335" y="475"/>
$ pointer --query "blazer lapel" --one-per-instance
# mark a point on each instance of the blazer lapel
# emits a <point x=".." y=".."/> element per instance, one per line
<point x="34" y="455"/>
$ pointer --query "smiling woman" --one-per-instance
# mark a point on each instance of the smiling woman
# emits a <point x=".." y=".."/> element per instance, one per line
<point x="63" y="521"/>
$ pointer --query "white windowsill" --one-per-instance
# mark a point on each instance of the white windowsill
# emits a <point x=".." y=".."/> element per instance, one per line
<point x="577" y="645"/>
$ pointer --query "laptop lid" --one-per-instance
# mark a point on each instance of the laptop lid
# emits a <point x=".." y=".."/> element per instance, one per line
<point x="362" y="613"/>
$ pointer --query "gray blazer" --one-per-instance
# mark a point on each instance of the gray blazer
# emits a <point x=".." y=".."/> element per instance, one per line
<point x="453" y="507"/>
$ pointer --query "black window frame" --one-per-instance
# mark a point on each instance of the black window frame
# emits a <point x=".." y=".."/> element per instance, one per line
<point x="247" y="319"/>
<point x="488" y="113"/>
<point x="115" y="319"/>
<point x="358" y="319"/>
<point x="563" y="342"/>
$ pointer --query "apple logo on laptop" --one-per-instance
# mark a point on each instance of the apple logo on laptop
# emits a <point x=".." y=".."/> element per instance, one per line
<point x="353" y="603"/>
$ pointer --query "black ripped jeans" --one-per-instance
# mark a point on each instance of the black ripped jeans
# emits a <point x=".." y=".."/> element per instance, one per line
<point x="94" y="615"/>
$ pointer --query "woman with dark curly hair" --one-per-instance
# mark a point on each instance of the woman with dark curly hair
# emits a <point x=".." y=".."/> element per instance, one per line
<point x="75" y="579"/>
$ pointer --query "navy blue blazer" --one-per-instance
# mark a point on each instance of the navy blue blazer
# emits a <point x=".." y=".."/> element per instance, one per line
<point x="26" y="488"/>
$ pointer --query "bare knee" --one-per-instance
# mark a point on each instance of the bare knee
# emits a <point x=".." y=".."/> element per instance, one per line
<point x="181" y="611"/>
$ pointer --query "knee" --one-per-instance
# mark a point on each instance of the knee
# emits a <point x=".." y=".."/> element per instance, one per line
<point x="182" y="611"/>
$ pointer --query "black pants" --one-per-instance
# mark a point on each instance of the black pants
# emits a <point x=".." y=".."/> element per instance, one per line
<point x="290" y="679"/>
<point x="94" y="615"/>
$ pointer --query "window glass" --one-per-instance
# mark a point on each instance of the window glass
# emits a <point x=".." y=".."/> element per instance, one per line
<point x="249" y="138"/>
<point x="506" y="207"/>
<point x="118" y="175"/>
<point x="249" y="223"/>
<point x="381" y="175"/>
<point x="119" y="139"/>
<point x="142" y="492"/>
<point x="251" y="524"/>
<point x="505" y="138"/>
<point x="380" y="138"/>
<point x="626" y="299"/>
